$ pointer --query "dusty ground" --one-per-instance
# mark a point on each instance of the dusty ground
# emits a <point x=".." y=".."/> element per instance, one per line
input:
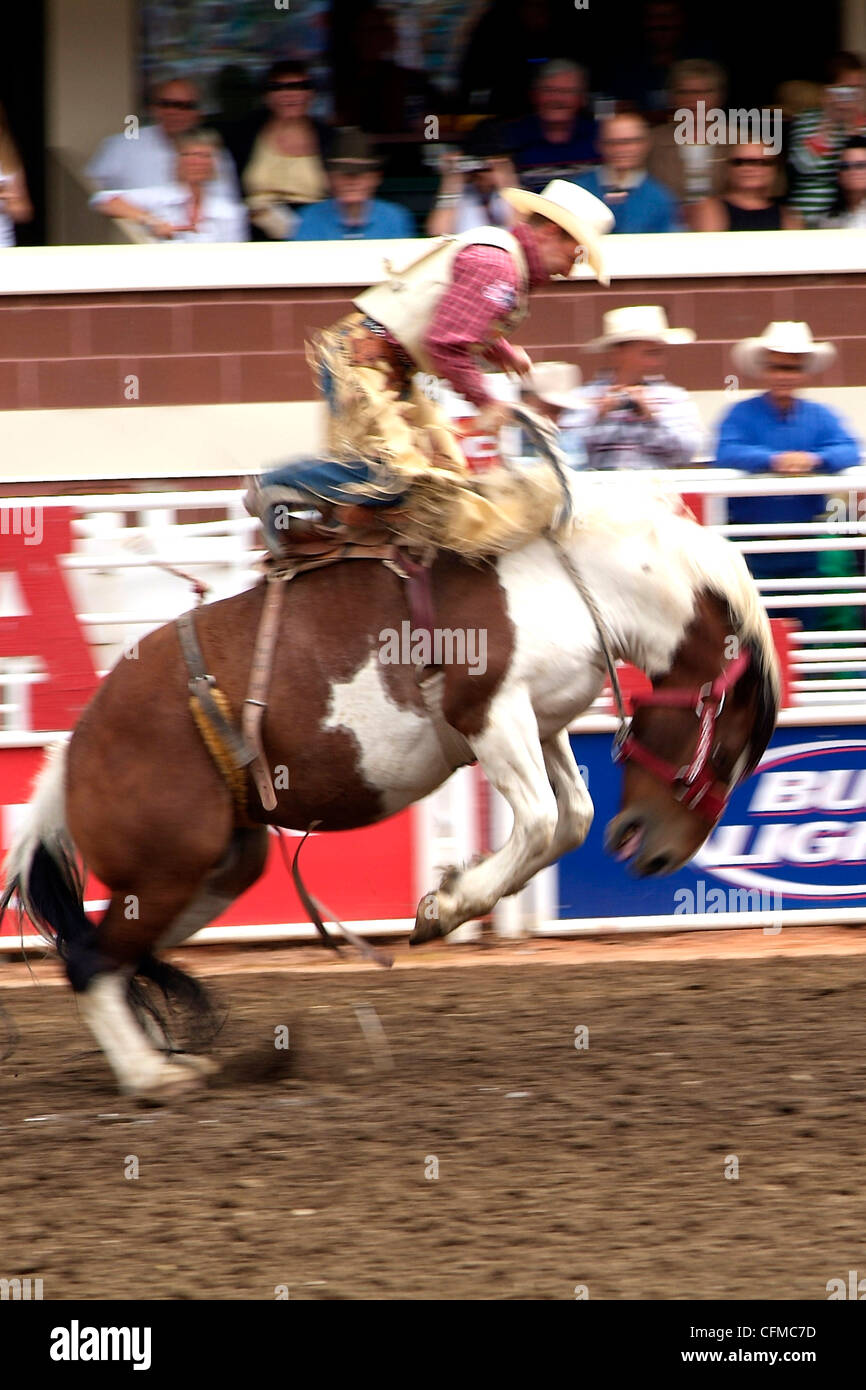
<point x="604" y="1166"/>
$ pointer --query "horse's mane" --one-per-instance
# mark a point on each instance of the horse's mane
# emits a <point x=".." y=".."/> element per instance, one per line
<point x="619" y="506"/>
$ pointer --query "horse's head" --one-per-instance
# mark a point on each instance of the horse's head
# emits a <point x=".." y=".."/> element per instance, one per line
<point x="701" y="731"/>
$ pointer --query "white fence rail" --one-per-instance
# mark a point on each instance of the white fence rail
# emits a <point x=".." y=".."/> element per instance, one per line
<point x="120" y="592"/>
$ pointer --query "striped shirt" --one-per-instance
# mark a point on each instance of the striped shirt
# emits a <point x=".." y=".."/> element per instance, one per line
<point x="624" y="439"/>
<point x="814" y="156"/>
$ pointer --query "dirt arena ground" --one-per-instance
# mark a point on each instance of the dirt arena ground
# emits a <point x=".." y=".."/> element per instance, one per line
<point x="470" y="1150"/>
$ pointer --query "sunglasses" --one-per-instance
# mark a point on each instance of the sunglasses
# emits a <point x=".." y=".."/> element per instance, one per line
<point x="854" y="164"/>
<point x="169" y="105"/>
<point x="786" y="367"/>
<point x="290" y="86"/>
<point x="737" y="163"/>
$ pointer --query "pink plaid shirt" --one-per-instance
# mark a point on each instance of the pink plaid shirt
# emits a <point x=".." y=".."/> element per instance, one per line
<point x="485" y="286"/>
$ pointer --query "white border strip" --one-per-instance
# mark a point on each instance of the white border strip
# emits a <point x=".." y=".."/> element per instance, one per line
<point x="299" y="265"/>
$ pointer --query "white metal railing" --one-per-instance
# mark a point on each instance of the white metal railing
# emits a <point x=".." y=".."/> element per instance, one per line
<point x="120" y="594"/>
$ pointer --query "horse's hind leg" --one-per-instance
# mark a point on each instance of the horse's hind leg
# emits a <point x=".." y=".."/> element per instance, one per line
<point x="101" y="981"/>
<point x="240" y="866"/>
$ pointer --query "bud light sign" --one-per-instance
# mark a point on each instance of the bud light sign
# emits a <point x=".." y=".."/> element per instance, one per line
<point x="794" y="834"/>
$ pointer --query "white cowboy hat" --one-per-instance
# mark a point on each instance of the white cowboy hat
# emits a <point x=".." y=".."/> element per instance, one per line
<point x="645" y="323"/>
<point x="748" y="356"/>
<point x="577" y="211"/>
<point x="554" y="382"/>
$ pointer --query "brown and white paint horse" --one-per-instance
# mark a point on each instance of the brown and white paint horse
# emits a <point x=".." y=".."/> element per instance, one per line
<point x="135" y="796"/>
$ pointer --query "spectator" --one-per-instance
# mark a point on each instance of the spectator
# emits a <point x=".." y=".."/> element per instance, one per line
<point x="557" y="140"/>
<point x="747" y="204"/>
<point x="638" y="203"/>
<point x="689" y="170"/>
<point x="631" y="416"/>
<point x="190" y="208"/>
<point x="553" y="389"/>
<point x="511" y="40"/>
<point x="147" y="158"/>
<point x="15" y="205"/>
<point x="780" y="432"/>
<point x="848" y="208"/>
<point x="641" y="81"/>
<point x="352" y="212"/>
<point x="470" y="189"/>
<point x="375" y="91"/>
<point x="285" y="170"/>
<point x="818" y="136"/>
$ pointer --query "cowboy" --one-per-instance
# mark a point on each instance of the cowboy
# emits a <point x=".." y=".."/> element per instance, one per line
<point x="630" y="416"/>
<point x="781" y="432"/>
<point x="390" y="446"/>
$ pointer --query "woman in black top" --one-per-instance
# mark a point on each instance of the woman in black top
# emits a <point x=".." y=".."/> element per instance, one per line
<point x="849" y="205"/>
<point x="748" y="204"/>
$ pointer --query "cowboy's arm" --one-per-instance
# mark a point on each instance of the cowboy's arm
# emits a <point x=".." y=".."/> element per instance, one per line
<point x="737" y="449"/>
<point x="484" y="286"/>
<point x="835" y="446"/>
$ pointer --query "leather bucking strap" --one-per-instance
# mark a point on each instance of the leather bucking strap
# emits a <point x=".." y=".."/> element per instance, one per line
<point x="430" y="679"/>
<point x="260" y="676"/>
<point x="226" y="744"/>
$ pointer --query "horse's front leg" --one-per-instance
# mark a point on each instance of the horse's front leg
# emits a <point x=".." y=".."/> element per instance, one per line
<point x="572" y="799"/>
<point x="510" y="754"/>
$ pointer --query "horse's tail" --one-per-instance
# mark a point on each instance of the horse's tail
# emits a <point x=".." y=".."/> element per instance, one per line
<point x="42" y="866"/>
<point x="43" y="870"/>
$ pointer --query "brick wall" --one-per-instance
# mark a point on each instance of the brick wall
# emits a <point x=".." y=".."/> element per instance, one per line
<point x="237" y="346"/>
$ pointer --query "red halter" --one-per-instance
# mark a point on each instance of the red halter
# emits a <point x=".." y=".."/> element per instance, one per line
<point x="692" y="784"/>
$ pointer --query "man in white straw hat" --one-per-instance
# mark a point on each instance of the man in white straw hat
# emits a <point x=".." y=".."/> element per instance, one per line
<point x="630" y="416"/>
<point x="390" y="447"/>
<point x="779" y="431"/>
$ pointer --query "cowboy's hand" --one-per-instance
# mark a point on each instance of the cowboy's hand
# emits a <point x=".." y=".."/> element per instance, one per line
<point x="521" y="362"/>
<point x="157" y="226"/>
<point x="491" y="418"/>
<point x="637" y="394"/>
<point x="612" y="399"/>
<point x="795" y="461"/>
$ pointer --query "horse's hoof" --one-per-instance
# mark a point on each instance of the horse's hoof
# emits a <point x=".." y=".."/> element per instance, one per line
<point x="428" y="927"/>
<point x="171" y="1080"/>
<point x="204" y="1066"/>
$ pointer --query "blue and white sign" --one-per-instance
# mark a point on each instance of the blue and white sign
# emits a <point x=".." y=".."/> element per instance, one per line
<point x="793" y="836"/>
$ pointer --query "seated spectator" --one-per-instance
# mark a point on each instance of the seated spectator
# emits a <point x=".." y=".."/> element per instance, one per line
<point x="15" y="204"/>
<point x="190" y="208"/>
<point x="557" y="141"/>
<point x="470" y="190"/>
<point x="689" y="170"/>
<point x="638" y="203"/>
<point x="352" y="212"/>
<point x="631" y="416"/>
<point x="641" y="80"/>
<point x="747" y="204"/>
<point x="285" y="170"/>
<point x="552" y="389"/>
<point x="848" y="208"/>
<point x="148" y="158"/>
<point x="780" y="432"/>
<point x="818" y="137"/>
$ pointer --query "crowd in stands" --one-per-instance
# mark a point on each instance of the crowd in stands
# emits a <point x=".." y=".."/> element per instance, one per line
<point x="663" y="152"/>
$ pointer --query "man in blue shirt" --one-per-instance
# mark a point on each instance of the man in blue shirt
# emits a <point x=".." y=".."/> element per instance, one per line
<point x="638" y="202"/>
<point x="780" y="432"/>
<point x="352" y="213"/>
